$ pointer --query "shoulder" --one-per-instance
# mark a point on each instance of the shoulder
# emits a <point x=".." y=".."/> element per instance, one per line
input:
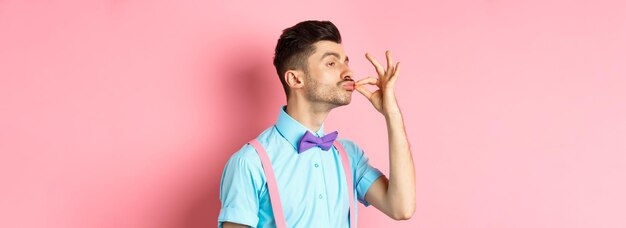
<point x="352" y="149"/>
<point x="243" y="167"/>
<point x="348" y="144"/>
<point x="247" y="155"/>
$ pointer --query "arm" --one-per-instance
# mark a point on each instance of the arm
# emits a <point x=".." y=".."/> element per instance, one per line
<point x="238" y="194"/>
<point x="233" y="225"/>
<point x="394" y="196"/>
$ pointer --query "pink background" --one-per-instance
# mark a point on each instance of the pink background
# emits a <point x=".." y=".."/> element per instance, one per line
<point x="123" y="113"/>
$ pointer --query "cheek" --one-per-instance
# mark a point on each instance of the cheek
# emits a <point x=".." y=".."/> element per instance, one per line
<point x="318" y="71"/>
<point x="326" y="74"/>
<point x="323" y="75"/>
<point x="329" y="74"/>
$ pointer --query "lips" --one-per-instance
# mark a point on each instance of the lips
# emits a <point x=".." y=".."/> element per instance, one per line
<point x="349" y="85"/>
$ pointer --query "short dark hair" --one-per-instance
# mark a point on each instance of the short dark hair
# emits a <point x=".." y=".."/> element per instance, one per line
<point x="296" y="44"/>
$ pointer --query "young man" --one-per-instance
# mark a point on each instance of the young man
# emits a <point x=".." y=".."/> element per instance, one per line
<point x="308" y="171"/>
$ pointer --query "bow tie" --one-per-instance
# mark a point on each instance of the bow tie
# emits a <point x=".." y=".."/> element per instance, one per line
<point x="309" y="140"/>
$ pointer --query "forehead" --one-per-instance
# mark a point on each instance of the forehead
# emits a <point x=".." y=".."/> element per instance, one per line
<point x="324" y="46"/>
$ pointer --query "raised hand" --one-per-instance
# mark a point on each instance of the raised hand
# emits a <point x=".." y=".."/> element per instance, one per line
<point x="383" y="99"/>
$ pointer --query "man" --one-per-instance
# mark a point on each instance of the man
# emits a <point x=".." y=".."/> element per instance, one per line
<point x="311" y="182"/>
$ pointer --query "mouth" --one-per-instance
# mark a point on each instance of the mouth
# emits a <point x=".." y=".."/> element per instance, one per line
<point x="348" y="85"/>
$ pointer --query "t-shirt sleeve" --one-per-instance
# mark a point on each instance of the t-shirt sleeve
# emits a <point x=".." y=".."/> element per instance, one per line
<point x="240" y="188"/>
<point x="364" y="173"/>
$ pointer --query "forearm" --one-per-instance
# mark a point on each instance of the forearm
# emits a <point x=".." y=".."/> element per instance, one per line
<point x="233" y="225"/>
<point x="401" y="189"/>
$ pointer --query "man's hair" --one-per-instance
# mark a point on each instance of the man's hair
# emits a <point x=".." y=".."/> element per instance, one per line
<point x="296" y="44"/>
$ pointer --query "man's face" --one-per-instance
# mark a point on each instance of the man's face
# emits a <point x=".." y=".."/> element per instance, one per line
<point x="329" y="79"/>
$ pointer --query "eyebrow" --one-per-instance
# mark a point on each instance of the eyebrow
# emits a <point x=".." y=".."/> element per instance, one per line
<point x="333" y="54"/>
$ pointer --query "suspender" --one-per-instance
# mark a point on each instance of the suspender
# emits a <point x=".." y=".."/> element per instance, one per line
<point x="277" y="207"/>
<point x="348" y="173"/>
<point x="272" y="187"/>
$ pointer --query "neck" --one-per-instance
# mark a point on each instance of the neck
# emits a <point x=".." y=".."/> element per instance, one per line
<point x="309" y="115"/>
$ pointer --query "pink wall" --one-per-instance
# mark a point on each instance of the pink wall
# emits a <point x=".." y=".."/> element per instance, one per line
<point x="123" y="113"/>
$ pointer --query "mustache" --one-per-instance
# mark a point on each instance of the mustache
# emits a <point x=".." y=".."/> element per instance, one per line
<point x="347" y="80"/>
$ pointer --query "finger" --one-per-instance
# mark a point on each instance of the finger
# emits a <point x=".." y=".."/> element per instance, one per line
<point x="389" y="62"/>
<point x="396" y="72"/>
<point x="366" y="92"/>
<point x="377" y="66"/>
<point x="368" y="80"/>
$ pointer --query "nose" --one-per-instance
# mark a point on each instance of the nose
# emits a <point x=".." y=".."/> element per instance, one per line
<point x="346" y="73"/>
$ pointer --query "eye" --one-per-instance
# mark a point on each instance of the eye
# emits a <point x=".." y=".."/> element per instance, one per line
<point x="331" y="64"/>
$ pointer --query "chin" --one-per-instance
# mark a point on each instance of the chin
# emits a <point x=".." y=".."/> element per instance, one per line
<point x="339" y="101"/>
<point x="345" y="102"/>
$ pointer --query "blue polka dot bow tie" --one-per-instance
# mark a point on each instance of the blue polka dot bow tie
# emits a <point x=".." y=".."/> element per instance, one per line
<point x="309" y="140"/>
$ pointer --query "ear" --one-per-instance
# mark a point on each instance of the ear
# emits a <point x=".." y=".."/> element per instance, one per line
<point x="294" y="78"/>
